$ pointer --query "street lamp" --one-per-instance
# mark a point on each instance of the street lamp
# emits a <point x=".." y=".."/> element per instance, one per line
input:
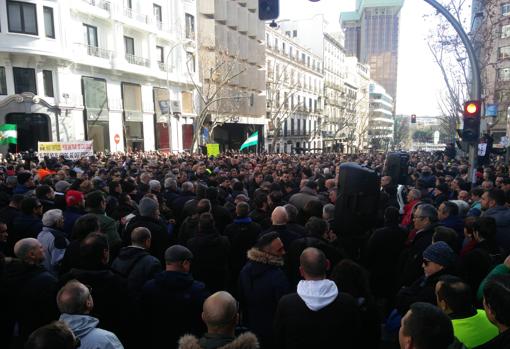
<point x="170" y="112"/>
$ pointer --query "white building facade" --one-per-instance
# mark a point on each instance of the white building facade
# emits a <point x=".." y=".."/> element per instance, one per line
<point x="294" y="85"/>
<point x="118" y="73"/>
<point x="380" y="132"/>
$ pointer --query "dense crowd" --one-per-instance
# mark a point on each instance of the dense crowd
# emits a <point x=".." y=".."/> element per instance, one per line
<point x="150" y="250"/>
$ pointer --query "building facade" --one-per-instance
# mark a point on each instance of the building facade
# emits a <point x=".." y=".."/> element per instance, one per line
<point x="232" y="58"/>
<point x="371" y="35"/>
<point x="112" y="72"/>
<point x="294" y="85"/>
<point x="381" y="119"/>
<point x="491" y="38"/>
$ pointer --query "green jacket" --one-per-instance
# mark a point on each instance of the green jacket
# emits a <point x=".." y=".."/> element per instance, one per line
<point x="498" y="270"/>
<point x="109" y="227"/>
<point x="475" y="330"/>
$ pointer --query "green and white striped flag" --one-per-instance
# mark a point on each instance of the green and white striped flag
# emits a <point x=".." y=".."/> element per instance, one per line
<point x="252" y="140"/>
<point x="8" y="134"/>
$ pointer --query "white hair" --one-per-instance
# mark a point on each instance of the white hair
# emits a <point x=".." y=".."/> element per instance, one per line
<point x="51" y="217"/>
<point x="154" y="184"/>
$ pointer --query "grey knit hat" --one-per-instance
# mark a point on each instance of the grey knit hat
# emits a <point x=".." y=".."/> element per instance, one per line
<point x="440" y="253"/>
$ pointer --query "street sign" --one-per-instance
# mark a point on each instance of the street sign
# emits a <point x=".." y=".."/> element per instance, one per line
<point x="116" y="138"/>
<point x="491" y="110"/>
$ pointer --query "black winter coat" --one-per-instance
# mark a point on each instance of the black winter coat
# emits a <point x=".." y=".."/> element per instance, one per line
<point x="286" y="234"/>
<point x="334" y="326"/>
<point x="26" y="226"/>
<point x="262" y="283"/>
<point x="172" y="306"/>
<point x="138" y="266"/>
<point x="210" y="260"/>
<point x="381" y="259"/>
<point x="109" y="294"/>
<point x="412" y="257"/>
<point x="160" y="239"/>
<point x="30" y="292"/>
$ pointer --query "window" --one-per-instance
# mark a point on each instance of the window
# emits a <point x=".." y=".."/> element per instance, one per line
<point x="91" y="35"/>
<point x="49" y="27"/>
<point x="157" y="13"/>
<point x="504" y="52"/>
<point x="24" y="80"/>
<point x="190" y="58"/>
<point x="129" y="45"/>
<point x="504" y="74"/>
<point x="48" y="83"/>
<point x="3" y="82"/>
<point x="128" y="4"/>
<point x="505" y="9"/>
<point x="292" y="127"/>
<point x="287" y="33"/>
<point x="161" y="55"/>
<point x="505" y="31"/>
<point x="22" y="17"/>
<point x="190" y="26"/>
<point x="294" y="33"/>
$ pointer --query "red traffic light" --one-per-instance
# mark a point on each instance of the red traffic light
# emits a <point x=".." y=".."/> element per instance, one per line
<point x="472" y="109"/>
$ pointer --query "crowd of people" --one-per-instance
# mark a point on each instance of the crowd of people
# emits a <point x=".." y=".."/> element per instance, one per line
<point x="153" y="250"/>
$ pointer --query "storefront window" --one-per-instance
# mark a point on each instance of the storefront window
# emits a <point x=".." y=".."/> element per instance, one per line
<point x="133" y="116"/>
<point x="96" y="112"/>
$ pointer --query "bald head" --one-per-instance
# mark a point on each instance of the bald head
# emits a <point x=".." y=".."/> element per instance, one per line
<point x="29" y="250"/>
<point x="220" y="311"/>
<point x="140" y="236"/>
<point x="313" y="264"/>
<point x="74" y="298"/>
<point x="279" y="216"/>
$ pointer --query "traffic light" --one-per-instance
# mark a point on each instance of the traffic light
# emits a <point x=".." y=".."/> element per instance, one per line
<point x="269" y="9"/>
<point x="471" y="130"/>
<point x="413" y="119"/>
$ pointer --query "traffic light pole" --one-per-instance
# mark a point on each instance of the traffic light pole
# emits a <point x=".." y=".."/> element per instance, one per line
<point x="475" y="92"/>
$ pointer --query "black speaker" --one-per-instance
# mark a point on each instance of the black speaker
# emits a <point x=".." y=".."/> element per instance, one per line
<point x="396" y="166"/>
<point x="357" y="200"/>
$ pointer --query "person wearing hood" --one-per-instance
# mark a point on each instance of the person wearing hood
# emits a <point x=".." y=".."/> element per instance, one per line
<point x="28" y="290"/>
<point x="438" y="259"/>
<point x="76" y="304"/>
<point x="135" y="263"/>
<point x="493" y="204"/>
<point x="172" y="302"/>
<point x="221" y="315"/>
<point x="211" y="251"/>
<point x="318" y="315"/>
<point x="53" y="240"/>
<point x="262" y="283"/>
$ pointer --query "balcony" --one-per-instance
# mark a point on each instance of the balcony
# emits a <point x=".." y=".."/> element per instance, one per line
<point x="132" y="59"/>
<point x="102" y="4"/>
<point x="95" y="51"/>
<point x="128" y="12"/>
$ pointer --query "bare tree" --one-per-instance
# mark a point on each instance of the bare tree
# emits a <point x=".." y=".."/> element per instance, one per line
<point x="400" y="132"/>
<point x="217" y="102"/>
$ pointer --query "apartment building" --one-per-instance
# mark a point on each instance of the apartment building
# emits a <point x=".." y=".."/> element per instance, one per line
<point x="294" y="85"/>
<point x="381" y="119"/>
<point x="232" y="58"/>
<point x="119" y="73"/>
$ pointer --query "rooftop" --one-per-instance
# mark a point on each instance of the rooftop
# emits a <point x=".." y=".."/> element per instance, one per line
<point x="362" y="4"/>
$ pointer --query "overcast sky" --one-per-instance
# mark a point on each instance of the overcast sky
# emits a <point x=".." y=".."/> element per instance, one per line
<point x="419" y="80"/>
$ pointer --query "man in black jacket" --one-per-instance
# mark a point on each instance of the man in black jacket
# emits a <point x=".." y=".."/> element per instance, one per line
<point x="172" y="302"/>
<point x="242" y="234"/>
<point x="425" y="220"/>
<point x="149" y="218"/>
<point x="30" y="291"/>
<point x="135" y="262"/>
<point x="317" y="316"/>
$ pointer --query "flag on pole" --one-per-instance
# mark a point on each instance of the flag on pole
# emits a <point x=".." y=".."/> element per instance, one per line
<point x="252" y="140"/>
<point x="8" y="134"/>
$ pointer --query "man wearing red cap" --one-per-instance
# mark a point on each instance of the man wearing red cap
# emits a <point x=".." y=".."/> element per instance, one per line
<point x="75" y="201"/>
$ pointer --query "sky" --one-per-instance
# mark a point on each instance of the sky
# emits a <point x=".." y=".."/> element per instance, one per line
<point x="419" y="80"/>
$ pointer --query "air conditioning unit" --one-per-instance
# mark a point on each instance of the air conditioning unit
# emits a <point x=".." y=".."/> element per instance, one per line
<point x="176" y="107"/>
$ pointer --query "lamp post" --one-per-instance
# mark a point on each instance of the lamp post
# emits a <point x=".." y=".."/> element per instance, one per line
<point x="182" y="42"/>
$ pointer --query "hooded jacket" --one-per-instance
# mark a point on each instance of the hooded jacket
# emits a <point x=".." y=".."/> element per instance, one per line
<point x="317" y="316"/>
<point x="85" y="328"/>
<point x="246" y="340"/>
<point x="54" y="245"/>
<point x="262" y="283"/>
<point x="172" y="305"/>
